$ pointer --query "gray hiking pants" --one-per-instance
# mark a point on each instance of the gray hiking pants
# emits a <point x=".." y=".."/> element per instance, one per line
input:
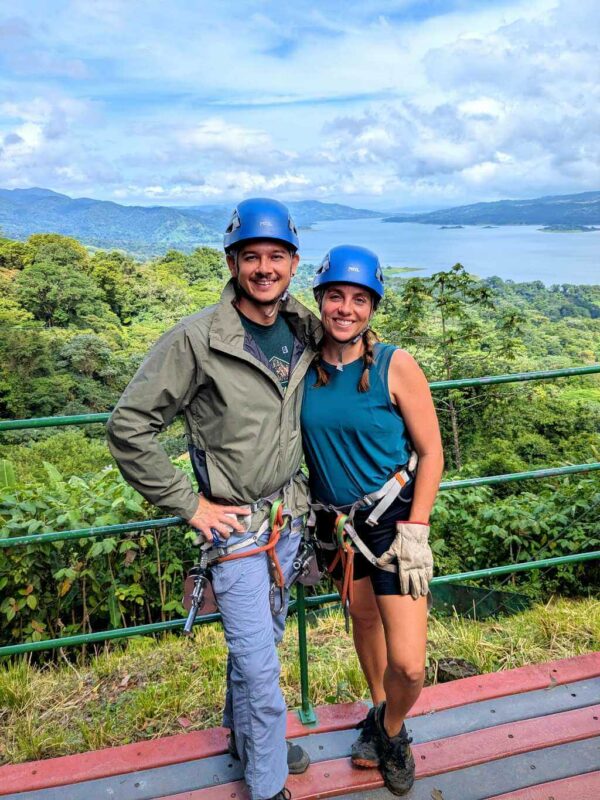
<point x="254" y="705"/>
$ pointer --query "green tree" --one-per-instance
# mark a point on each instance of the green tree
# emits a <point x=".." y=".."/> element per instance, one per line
<point x="117" y="275"/>
<point x="57" y="294"/>
<point x="87" y="354"/>
<point x="53" y="247"/>
<point x="14" y="255"/>
<point x="204" y="264"/>
<point x="447" y="322"/>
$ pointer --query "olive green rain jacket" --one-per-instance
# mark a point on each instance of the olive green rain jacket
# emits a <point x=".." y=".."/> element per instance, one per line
<point x="243" y="429"/>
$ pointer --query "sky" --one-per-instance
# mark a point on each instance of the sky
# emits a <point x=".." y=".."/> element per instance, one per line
<point x="385" y="104"/>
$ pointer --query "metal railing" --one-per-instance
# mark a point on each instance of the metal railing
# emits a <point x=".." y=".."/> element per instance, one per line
<point x="306" y="712"/>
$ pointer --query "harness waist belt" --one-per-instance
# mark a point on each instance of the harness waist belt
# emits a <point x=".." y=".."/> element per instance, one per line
<point x="381" y="499"/>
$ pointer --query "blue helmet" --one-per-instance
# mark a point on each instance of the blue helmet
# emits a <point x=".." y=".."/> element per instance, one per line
<point x="348" y="263"/>
<point x="261" y="218"/>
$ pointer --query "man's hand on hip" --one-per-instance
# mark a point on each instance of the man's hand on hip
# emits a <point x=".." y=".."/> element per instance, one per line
<point x="223" y="519"/>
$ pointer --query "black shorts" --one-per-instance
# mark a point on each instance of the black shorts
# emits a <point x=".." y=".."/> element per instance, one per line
<point x="377" y="539"/>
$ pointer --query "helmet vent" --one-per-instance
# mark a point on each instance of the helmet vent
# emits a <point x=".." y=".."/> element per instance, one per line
<point x="324" y="265"/>
<point x="234" y="223"/>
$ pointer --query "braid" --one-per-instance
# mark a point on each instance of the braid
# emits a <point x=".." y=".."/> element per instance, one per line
<point x="369" y="339"/>
<point x="322" y="374"/>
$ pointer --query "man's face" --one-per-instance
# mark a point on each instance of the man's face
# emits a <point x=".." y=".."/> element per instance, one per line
<point x="263" y="269"/>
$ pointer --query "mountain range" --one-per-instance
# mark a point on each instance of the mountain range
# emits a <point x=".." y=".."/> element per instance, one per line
<point x="565" y="209"/>
<point x="144" y="230"/>
<point x="151" y="230"/>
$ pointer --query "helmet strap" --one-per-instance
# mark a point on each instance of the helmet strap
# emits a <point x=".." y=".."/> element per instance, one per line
<point x="343" y="345"/>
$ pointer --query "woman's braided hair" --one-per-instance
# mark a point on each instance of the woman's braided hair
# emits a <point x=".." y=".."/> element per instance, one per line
<point x="369" y="338"/>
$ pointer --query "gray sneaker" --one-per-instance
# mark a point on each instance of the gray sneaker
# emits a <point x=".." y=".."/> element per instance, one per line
<point x="298" y="759"/>
<point x="364" y="752"/>
<point x="397" y="762"/>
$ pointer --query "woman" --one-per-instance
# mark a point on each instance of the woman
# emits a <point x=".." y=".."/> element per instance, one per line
<point x="366" y="408"/>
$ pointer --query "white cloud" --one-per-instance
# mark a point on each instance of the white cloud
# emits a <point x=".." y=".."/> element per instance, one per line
<point x="203" y="101"/>
<point x="216" y="134"/>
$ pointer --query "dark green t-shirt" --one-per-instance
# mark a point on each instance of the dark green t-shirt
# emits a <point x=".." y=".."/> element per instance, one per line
<point x="276" y="342"/>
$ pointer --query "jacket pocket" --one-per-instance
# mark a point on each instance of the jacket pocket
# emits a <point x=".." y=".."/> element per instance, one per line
<point x="200" y="467"/>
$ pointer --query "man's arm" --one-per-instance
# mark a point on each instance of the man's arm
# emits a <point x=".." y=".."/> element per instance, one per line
<point x="163" y="385"/>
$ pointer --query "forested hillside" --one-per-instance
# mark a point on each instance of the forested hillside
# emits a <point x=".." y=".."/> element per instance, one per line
<point x="568" y="209"/>
<point x="74" y="326"/>
<point x="144" y="230"/>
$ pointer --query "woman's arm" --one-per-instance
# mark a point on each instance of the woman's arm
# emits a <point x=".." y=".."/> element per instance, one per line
<point x="409" y="390"/>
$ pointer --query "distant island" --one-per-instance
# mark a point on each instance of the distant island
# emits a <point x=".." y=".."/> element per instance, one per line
<point x="451" y="227"/>
<point x="568" y="229"/>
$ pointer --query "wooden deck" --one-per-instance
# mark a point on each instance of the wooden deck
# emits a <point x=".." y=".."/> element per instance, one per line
<point x="527" y="734"/>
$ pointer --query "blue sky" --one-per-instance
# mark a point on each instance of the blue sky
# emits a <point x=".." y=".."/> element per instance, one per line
<point x="382" y="103"/>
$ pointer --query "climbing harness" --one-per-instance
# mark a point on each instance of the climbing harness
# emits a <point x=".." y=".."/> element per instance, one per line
<point x="198" y="594"/>
<point x="305" y="569"/>
<point x="348" y="542"/>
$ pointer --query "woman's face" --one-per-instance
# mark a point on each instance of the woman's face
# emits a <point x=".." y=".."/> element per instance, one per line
<point x="345" y="311"/>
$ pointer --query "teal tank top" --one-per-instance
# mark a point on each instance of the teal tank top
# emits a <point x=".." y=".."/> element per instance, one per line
<point x="353" y="441"/>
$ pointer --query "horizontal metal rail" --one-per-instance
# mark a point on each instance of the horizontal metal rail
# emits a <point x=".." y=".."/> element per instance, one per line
<point x="87" y="533"/>
<point x="52" y="422"/>
<point x="311" y="602"/>
<point x="549" y="472"/>
<point x="126" y="527"/>
<point x="516" y="377"/>
<point x="462" y="383"/>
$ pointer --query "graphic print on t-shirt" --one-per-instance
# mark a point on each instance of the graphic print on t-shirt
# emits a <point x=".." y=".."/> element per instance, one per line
<point x="276" y="343"/>
<point x="281" y="369"/>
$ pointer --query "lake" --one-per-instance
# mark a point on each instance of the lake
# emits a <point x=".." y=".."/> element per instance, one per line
<point x="512" y="252"/>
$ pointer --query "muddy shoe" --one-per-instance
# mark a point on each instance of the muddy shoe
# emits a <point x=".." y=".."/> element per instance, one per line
<point x="364" y="752"/>
<point x="396" y="759"/>
<point x="232" y="747"/>
<point x="298" y="759"/>
<point x="284" y="794"/>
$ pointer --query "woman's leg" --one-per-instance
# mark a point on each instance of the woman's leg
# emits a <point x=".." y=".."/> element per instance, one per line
<point x="405" y="626"/>
<point x="368" y="635"/>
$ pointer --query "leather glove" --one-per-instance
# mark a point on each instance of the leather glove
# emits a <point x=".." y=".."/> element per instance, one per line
<point x="415" y="560"/>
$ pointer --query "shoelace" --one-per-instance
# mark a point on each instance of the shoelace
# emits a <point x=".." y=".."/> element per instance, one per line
<point x="396" y="749"/>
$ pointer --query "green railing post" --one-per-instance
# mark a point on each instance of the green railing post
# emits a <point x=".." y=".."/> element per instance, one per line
<point x="306" y="711"/>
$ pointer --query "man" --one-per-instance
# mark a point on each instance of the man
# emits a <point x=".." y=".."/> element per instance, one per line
<point x="235" y="371"/>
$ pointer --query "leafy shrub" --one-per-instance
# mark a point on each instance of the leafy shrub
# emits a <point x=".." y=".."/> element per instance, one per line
<point x="73" y="452"/>
<point x="79" y="585"/>
<point x="475" y="529"/>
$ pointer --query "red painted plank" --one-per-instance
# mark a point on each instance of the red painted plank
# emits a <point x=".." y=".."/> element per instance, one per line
<point x="511" y="739"/>
<point x="330" y="778"/>
<point x="176" y="749"/>
<point x="579" y="787"/>
<point x="500" y="684"/>
<point x="111" y="761"/>
<point x="201" y="744"/>
<point x="331" y="718"/>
